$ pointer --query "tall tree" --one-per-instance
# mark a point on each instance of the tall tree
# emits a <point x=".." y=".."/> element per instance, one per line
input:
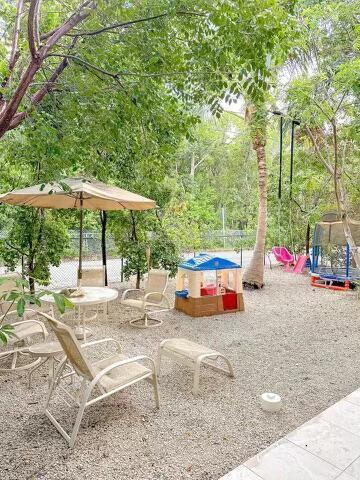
<point x="183" y="47"/>
<point x="254" y="273"/>
<point x="324" y="95"/>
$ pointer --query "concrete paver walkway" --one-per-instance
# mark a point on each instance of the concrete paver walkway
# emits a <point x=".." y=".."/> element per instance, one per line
<point x="325" y="448"/>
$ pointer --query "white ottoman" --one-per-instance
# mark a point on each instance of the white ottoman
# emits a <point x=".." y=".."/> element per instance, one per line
<point x="193" y="355"/>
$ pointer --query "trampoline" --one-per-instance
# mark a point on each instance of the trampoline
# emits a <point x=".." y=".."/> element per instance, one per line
<point x="332" y="263"/>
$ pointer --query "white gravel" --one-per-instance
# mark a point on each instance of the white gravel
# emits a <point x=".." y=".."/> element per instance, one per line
<point x="301" y="342"/>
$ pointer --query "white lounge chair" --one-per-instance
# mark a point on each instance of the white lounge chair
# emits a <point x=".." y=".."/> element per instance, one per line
<point x="152" y="300"/>
<point x="15" y="355"/>
<point x="104" y="377"/>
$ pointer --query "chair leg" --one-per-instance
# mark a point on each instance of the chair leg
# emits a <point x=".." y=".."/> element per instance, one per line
<point x="158" y="362"/>
<point x="44" y="360"/>
<point x="195" y="389"/>
<point x="145" y="322"/>
<point x="231" y="370"/>
<point x="14" y="360"/>
<point x="78" y="421"/>
<point x="54" y="383"/>
<point x="156" y="390"/>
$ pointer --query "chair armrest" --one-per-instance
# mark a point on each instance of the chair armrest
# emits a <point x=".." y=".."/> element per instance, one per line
<point x="162" y="295"/>
<point x="127" y="291"/>
<point x="119" y="364"/>
<point x="41" y="325"/>
<point x="102" y="340"/>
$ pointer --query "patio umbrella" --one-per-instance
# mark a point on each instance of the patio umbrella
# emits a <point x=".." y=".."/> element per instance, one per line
<point x="78" y="193"/>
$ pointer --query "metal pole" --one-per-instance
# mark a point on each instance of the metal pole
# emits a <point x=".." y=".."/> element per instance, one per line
<point x="223" y="224"/>
<point x="103" y="219"/>
<point x="292" y="155"/>
<point x="280" y="155"/>
<point x="292" y="148"/>
<point x="347" y="259"/>
<point x="81" y="239"/>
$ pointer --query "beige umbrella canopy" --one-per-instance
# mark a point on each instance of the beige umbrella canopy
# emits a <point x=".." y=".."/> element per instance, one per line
<point x="78" y="193"/>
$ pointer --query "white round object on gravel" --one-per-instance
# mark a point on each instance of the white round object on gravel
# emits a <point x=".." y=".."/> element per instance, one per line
<point x="270" y="402"/>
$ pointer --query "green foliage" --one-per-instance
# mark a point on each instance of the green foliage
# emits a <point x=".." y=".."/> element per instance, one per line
<point x="36" y="240"/>
<point x="19" y="297"/>
<point x="158" y="127"/>
<point x="138" y="233"/>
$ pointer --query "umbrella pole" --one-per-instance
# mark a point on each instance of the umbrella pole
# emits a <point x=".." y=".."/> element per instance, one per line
<point x="81" y="240"/>
<point x="103" y="219"/>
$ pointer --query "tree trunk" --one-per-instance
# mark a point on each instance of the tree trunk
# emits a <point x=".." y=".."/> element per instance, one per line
<point x="254" y="273"/>
<point x="31" y="268"/>
<point x="138" y="278"/>
<point x="339" y="188"/>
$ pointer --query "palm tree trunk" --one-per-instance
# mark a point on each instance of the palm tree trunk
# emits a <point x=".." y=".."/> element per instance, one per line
<point x="254" y="273"/>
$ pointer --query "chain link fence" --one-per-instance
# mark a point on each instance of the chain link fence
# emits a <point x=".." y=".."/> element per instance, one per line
<point x="233" y="244"/>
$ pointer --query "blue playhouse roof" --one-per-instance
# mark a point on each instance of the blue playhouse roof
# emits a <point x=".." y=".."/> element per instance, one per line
<point x="203" y="261"/>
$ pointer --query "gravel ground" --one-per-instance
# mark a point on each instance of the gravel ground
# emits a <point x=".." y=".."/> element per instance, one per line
<point x="300" y="342"/>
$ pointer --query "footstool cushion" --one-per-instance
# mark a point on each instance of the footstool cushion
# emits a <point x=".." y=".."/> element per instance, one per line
<point x="187" y="348"/>
<point x="194" y="355"/>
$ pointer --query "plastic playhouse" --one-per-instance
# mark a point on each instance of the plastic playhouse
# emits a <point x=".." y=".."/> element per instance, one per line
<point x="332" y="265"/>
<point x="207" y="285"/>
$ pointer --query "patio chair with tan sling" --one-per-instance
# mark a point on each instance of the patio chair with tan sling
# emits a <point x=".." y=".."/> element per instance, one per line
<point x="15" y="355"/>
<point x="94" y="277"/>
<point x="152" y="300"/>
<point x="104" y="377"/>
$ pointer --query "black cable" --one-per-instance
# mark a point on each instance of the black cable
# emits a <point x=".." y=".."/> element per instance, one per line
<point x="292" y="147"/>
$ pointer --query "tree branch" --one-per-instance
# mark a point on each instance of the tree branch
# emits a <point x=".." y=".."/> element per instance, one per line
<point x="115" y="26"/>
<point x="15" y="41"/>
<point x="81" y="14"/>
<point x="85" y="63"/>
<point x="7" y="114"/>
<point x="39" y="95"/>
<point x="116" y="75"/>
<point x="322" y="110"/>
<point x="340" y="103"/>
<point x="44" y="90"/>
<point x="33" y="23"/>
<point x="120" y="25"/>
<point x="37" y="22"/>
<point x="318" y="152"/>
<point x="16" y="249"/>
<point x="14" y="53"/>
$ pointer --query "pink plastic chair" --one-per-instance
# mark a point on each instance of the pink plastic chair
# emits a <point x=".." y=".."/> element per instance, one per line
<point x="283" y="256"/>
<point x="300" y="264"/>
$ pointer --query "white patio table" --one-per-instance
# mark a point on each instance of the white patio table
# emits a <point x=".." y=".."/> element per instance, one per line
<point x="92" y="296"/>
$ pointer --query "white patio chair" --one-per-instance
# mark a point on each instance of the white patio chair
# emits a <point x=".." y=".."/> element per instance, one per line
<point x="104" y="377"/>
<point x="15" y="355"/>
<point x="94" y="277"/>
<point x="152" y="300"/>
<point x="6" y="287"/>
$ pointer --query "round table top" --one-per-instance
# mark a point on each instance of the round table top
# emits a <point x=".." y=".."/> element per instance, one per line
<point x="45" y="349"/>
<point x="92" y="296"/>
